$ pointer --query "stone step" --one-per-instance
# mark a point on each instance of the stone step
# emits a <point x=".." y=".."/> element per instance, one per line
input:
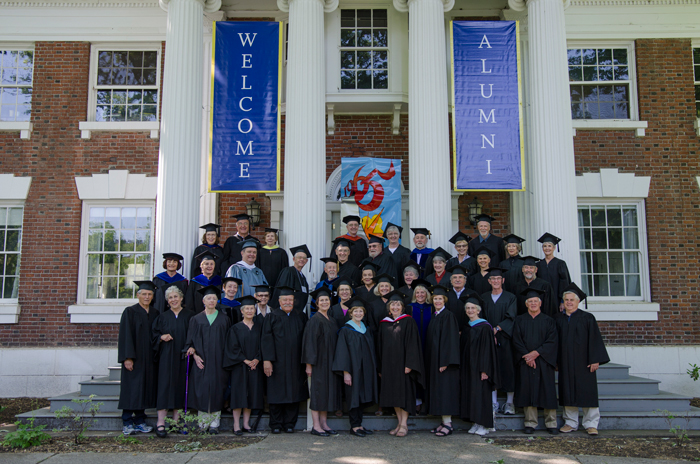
<point x="115" y="372"/>
<point x="101" y="386"/>
<point x="613" y="371"/>
<point x="645" y="403"/>
<point x="110" y="403"/>
<point x="630" y="385"/>
<point x="611" y="420"/>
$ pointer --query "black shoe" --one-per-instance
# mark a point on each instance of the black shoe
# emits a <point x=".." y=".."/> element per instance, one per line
<point x="331" y="432"/>
<point x="319" y="434"/>
<point x="529" y="430"/>
<point x="160" y="431"/>
<point x="276" y="430"/>
<point x="238" y="433"/>
<point x="289" y="430"/>
<point x="553" y="430"/>
<point x="213" y="430"/>
<point x="367" y="431"/>
<point x="245" y="430"/>
<point x="358" y="432"/>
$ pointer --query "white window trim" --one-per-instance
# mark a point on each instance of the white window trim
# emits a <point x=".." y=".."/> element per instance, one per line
<point x="695" y="43"/>
<point x="24" y="128"/>
<point x="633" y="123"/>
<point x="116" y="188"/>
<point x="89" y="126"/>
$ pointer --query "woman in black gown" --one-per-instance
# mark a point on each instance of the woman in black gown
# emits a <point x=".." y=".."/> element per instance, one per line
<point x="169" y="337"/>
<point x="400" y="362"/>
<point x="513" y="264"/>
<point x="366" y="288"/>
<point x="210" y="243"/>
<point x="341" y="311"/>
<point x="272" y="258"/>
<point x="317" y="351"/>
<point x="478" y="280"/>
<point x="172" y="262"/>
<point x="552" y="269"/>
<point x="242" y="357"/>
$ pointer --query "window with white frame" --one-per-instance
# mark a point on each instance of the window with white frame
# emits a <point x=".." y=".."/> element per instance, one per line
<point x="10" y="249"/>
<point x="119" y="248"/>
<point x="601" y="82"/>
<point x="612" y="240"/>
<point x="16" y="78"/>
<point x="696" y="73"/>
<point x="125" y="83"/>
<point x="364" y="48"/>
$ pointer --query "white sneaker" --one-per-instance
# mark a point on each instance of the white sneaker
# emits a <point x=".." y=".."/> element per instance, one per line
<point x="495" y="407"/>
<point x="481" y="430"/>
<point x="474" y="428"/>
<point x="509" y="409"/>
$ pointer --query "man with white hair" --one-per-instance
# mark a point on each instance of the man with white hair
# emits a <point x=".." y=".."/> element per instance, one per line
<point x="380" y="258"/>
<point x="581" y="352"/>
<point x="294" y="278"/>
<point x="399" y="253"/>
<point x="246" y="270"/>
<point x="531" y="281"/>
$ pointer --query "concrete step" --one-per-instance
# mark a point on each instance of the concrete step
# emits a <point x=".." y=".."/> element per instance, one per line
<point x="612" y="420"/>
<point x="110" y="403"/>
<point x="613" y="371"/>
<point x="631" y="385"/>
<point x="645" y="403"/>
<point x="115" y="372"/>
<point x="101" y="386"/>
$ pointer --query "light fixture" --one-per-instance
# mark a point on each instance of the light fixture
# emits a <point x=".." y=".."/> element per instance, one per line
<point x="253" y="210"/>
<point x="474" y="209"/>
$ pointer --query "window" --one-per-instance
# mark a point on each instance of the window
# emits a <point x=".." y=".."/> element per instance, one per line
<point x="119" y="250"/>
<point x="601" y="83"/>
<point x="612" y="243"/>
<point x="696" y="69"/>
<point x="16" y="76"/>
<point x="10" y="250"/>
<point x="364" y="49"/>
<point x="126" y="84"/>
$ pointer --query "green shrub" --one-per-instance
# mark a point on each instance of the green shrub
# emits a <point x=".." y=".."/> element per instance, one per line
<point x="26" y="435"/>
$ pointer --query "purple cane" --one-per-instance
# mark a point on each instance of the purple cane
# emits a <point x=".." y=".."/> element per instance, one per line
<point x="187" y="381"/>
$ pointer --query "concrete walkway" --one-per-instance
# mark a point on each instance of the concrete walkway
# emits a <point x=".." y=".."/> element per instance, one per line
<point x="381" y="448"/>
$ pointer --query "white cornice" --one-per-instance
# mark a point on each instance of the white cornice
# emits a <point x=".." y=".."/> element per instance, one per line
<point x="633" y="2"/>
<point x="83" y="4"/>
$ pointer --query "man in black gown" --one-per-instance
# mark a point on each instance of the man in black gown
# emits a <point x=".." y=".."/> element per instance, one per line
<point x="232" y="245"/>
<point x="136" y="355"/>
<point x="399" y="253"/>
<point x="487" y="239"/>
<point x="535" y="349"/>
<point x="346" y="269"/>
<point x="281" y="342"/>
<point x="381" y="258"/>
<point x="531" y="281"/>
<point x="581" y="352"/>
<point x="421" y="252"/>
<point x="456" y="297"/>
<point x="193" y="299"/>
<point x="294" y="278"/>
<point x="359" y="250"/>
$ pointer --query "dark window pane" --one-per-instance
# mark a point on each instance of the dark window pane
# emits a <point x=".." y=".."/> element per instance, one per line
<point x="149" y="113"/>
<point x="104" y="59"/>
<point x="621" y="93"/>
<point x="600" y="241"/>
<point x="600" y="284"/>
<point x="10" y="287"/>
<point x="620" y="56"/>
<point x="347" y="80"/>
<point x="364" y="37"/>
<point x="697" y="73"/>
<point x="135" y="97"/>
<point x="109" y="287"/>
<point x="574" y="56"/>
<point x="381" y="80"/>
<point x="379" y="18"/>
<point x="347" y="38"/>
<point x="150" y="59"/>
<point x="347" y="60"/>
<point x="605" y="73"/>
<point x="118" y="113"/>
<point x="614" y="216"/>
<point x="133" y="113"/>
<point x="12" y="241"/>
<point x="584" y="239"/>
<point x="576" y="92"/>
<point x="615" y="262"/>
<point x="584" y="218"/>
<point x="149" y="76"/>
<point x="588" y="284"/>
<point x="347" y="18"/>
<point x="617" y="285"/>
<point x="588" y="56"/>
<point x="123" y="290"/>
<point x="697" y="92"/>
<point x="120" y="76"/>
<point x="605" y="56"/>
<point x="577" y="111"/>
<point x="598" y="216"/>
<point x="135" y="59"/>
<point x="621" y="111"/>
<point x="364" y="79"/>
<point x="102" y="113"/>
<point x="629" y="216"/>
<point x="104" y="76"/>
<point x="590" y="93"/>
<point x="591" y="110"/>
<point x="621" y="73"/>
<point x="110" y="264"/>
<point x="134" y="77"/>
<point x="606" y="111"/>
<point x="150" y="96"/>
<point x="364" y="18"/>
<point x="605" y="93"/>
<point x="632" y="285"/>
<point x="11" y="264"/>
<point x="380" y="61"/>
<point x="575" y="73"/>
<point x="380" y="38"/>
<point x="364" y="60"/>
<point x="119" y="59"/>
<point x="631" y="238"/>
<point x="590" y="73"/>
<point x="615" y="238"/>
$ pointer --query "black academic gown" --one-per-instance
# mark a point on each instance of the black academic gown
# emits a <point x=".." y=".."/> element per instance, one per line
<point x="399" y="347"/>
<point x="163" y="281"/>
<point x="193" y="299"/>
<point x="232" y="251"/>
<point x="479" y="283"/>
<point x="218" y="253"/>
<point x="281" y="341"/>
<point x="367" y="296"/>
<point x="386" y="265"/>
<point x="421" y="257"/>
<point x="292" y="278"/>
<point x="469" y="263"/>
<point x="408" y="291"/>
<point x="377" y="312"/>
<point x="456" y="306"/>
<point x="535" y="387"/>
<point x="401" y="257"/>
<point x="358" y="250"/>
<point x="231" y="308"/>
<point x="347" y="271"/>
<point x="514" y="272"/>
<point x="502" y="314"/>
<point x="318" y="349"/>
<point x="336" y="312"/>
<point x="207" y="386"/>
<point x="550" y="305"/>
<point x="354" y="354"/>
<point x="138" y="386"/>
<point x="172" y="363"/>
<point x="272" y="262"/>
<point x="444" y="281"/>
<point x="478" y="354"/>
<point x="557" y="274"/>
<point x="442" y="349"/>
<point x="493" y="243"/>
<point x="580" y="345"/>
<point x="247" y="385"/>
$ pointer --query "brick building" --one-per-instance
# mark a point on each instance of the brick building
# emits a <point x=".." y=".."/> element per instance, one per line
<point x="81" y="146"/>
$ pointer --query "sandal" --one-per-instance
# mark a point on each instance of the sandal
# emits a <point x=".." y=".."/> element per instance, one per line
<point x="446" y="430"/>
<point x="437" y="429"/>
<point x="393" y="432"/>
<point x="161" y="432"/>
<point x="403" y="431"/>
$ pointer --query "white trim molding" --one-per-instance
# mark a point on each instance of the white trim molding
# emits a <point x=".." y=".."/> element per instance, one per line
<point x="24" y="128"/>
<point x="609" y="183"/>
<point x="88" y="127"/>
<point x="96" y="313"/>
<point x="625" y="311"/>
<point x="14" y="188"/>
<point x="117" y="185"/>
<point x="84" y="4"/>
<point x="639" y="127"/>
<point x="9" y="313"/>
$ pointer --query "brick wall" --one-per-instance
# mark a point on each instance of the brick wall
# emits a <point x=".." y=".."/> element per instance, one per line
<point x="669" y="154"/>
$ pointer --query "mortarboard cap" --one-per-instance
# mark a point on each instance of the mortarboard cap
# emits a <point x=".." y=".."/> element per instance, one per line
<point x="395" y="296"/>
<point x="439" y="290"/>
<point x="356" y="302"/>
<point x="383" y="278"/>
<point x="247" y="300"/>
<point x="375" y="239"/>
<point x="261" y="288"/>
<point x="474" y="298"/>
<point x="145" y="285"/>
<point x="459" y="236"/>
<point x="284" y="290"/>
<point x="421" y="230"/>
<point x="206" y="255"/>
<point x="421" y="282"/>
<point x="483" y="217"/>
<point x="302" y="248"/>
<point x="343" y="281"/>
<point x="495" y="272"/>
<point x="270" y="229"/>
<point x="211" y="227"/>
<point x="174" y="256"/>
<point x="322" y="291"/>
<point x="242" y="217"/>
<point x="439" y="251"/>
<point x="533" y="293"/>
<point x="482" y="250"/>
<point x="414" y="265"/>
<point x="367" y="264"/>
<point x="550" y="238"/>
<point x="512" y="238"/>
<point x="342" y="241"/>
<point x="350" y="218"/>
<point x="530" y="261"/>
<point x="458" y="269"/>
<point x="231" y="279"/>
<point x="330" y="260"/>
<point x="391" y="224"/>
<point x="250" y="244"/>
<point x="210" y="290"/>
<point x="573" y="288"/>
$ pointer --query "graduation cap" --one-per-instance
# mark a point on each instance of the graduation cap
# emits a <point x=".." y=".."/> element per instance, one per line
<point x="343" y="281"/>
<point x="270" y="229"/>
<point x="458" y="269"/>
<point x="242" y="217"/>
<point x="421" y="230"/>
<point x="482" y="250"/>
<point x="247" y="300"/>
<point x="321" y="291"/>
<point x="459" y="236"/>
<point x="530" y="261"/>
<point x="375" y="239"/>
<point x="206" y="255"/>
<point x="250" y="244"/>
<point x="483" y="217"/>
<point x="211" y="227"/>
<point x="533" y="293"/>
<point x="439" y="290"/>
<point x="302" y="248"/>
<point x="495" y="272"/>
<point x="330" y="260"/>
<point x="261" y="288"/>
<point x="231" y="279"/>
<point x="512" y="238"/>
<point x="395" y="296"/>
<point x="350" y="218"/>
<point x="573" y="288"/>
<point x="421" y="282"/>
<point x="174" y="256"/>
<point x="145" y="285"/>
<point x="356" y="302"/>
<point x="383" y="278"/>
<point x="342" y="241"/>
<point x="210" y="290"/>
<point x="439" y="251"/>
<point x="367" y="264"/>
<point x="413" y="265"/>
<point x="284" y="290"/>
<point x="550" y="238"/>
<point x="475" y="299"/>
<point x="389" y="225"/>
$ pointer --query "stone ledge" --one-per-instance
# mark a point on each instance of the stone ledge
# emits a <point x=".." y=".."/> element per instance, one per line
<point x="88" y="127"/>
<point x="625" y="311"/>
<point x="610" y="125"/>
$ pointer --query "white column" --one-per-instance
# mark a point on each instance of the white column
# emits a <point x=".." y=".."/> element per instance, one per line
<point x="552" y="169"/>
<point x="428" y="141"/>
<point x="305" y="130"/>
<point x="179" y="165"/>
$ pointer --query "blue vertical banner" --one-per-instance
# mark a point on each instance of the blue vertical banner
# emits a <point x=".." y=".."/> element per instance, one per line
<point x="375" y="186"/>
<point x="487" y="136"/>
<point x="245" y="120"/>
